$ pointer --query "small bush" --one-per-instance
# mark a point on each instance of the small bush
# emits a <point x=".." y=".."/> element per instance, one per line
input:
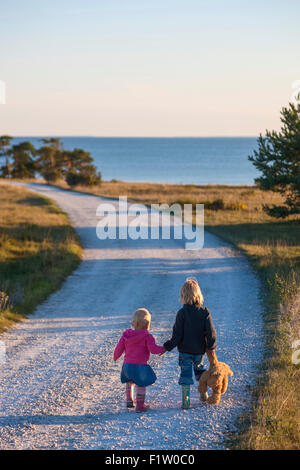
<point x="277" y="211"/>
<point x="248" y="192"/>
<point x="5" y="303"/>
<point x="182" y="202"/>
<point x="74" y="179"/>
<point x="237" y="206"/>
<point x="51" y="176"/>
<point x="216" y="205"/>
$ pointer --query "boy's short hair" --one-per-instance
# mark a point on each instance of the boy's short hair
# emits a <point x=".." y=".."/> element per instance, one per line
<point x="190" y="293"/>
<point x="141" y="318"/>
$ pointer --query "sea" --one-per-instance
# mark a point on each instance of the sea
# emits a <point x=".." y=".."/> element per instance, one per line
<point x="186" y="160"/>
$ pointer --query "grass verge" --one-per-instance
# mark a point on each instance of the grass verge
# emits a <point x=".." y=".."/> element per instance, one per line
<point x="273" y="249"/>
<point x="235" y="214"/>
<point x="38" y="250"/>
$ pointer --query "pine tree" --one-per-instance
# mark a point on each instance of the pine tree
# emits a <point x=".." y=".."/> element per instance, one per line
<point x="23" y="162"/>
<point x="278" y="159"/>
<point x="50" y="161"/>
<point x="80" y="169"/>
<point x="5" y="170"/>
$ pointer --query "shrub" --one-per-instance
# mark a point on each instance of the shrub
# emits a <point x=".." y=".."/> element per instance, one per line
<point x="74" y="179"/>
<point x="51" y="176"/>
<point x="5" y="303"/>
<point x="217" y="204"/>
<point x="237" y="206"/>
<point x="89" y="179"/>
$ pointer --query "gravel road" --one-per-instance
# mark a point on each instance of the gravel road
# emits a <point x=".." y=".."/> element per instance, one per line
<point x="59" y="386"/>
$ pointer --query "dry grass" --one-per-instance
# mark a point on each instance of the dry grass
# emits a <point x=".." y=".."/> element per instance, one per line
<point x="153" y="193"/>
<point x="38" y="249"/>
<point x="275" y="421"/>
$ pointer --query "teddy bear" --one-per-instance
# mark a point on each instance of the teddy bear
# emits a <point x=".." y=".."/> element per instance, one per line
<point x="215" y="377"/>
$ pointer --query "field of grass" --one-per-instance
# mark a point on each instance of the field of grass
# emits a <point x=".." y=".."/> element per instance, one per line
<point x="235" y="214"/>
<point x="38" y="249"/>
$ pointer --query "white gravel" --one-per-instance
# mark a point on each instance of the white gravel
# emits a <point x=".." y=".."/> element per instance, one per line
<point x="59" y="386"/>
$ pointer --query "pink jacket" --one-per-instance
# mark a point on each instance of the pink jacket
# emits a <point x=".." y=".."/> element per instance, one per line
<point x="137" y="344"/>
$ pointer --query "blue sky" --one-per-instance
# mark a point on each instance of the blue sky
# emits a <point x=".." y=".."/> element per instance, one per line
<point x="147" y="68"/>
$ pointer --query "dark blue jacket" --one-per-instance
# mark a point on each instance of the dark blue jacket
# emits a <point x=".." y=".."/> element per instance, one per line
<point x="193" y="331"/>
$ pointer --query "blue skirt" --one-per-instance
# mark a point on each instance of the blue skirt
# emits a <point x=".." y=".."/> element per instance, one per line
<point x="140" y="374"/>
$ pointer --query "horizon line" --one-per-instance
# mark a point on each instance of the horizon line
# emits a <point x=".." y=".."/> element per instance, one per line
<point x="141" y="137"/>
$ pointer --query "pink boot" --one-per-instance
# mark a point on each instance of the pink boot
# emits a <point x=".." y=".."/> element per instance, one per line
<point x="130" y="395"/>
<point x="140" y="400"/>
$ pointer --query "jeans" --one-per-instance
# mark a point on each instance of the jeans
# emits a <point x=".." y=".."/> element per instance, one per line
<point x="187" y="363"/>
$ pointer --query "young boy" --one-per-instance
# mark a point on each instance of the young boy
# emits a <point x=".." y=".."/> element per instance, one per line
<point x="193" y="334"/>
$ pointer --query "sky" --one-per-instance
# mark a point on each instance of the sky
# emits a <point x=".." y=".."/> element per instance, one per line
<point x="147" y="68"/>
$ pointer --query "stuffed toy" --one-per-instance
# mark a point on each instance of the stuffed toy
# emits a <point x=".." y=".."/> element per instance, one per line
<point x="215" y="377"/>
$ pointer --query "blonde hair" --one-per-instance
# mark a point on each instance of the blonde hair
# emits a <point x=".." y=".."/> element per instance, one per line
<point x="141" y="319"/>
<point x="190" y="293"/>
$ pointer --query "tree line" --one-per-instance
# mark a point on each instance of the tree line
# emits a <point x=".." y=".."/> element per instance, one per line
<point x="51" y="161"/>
<point x="277" y="158"/>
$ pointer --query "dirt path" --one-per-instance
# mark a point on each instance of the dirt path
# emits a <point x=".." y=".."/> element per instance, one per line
<point x="59" y="387"/>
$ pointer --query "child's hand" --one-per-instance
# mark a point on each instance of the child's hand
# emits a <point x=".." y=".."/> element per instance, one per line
<point x="160" y="354"/>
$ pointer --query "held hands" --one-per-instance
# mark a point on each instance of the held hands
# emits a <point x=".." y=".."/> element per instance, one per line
<point x="160" y="354"/>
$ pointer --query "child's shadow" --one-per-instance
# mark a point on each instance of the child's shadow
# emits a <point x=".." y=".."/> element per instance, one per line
<point x="52" y="420"/>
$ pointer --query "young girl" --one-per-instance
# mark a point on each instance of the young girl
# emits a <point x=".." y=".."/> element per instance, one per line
<point x="193" y="334"/>
<point x="137" y="344"/>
